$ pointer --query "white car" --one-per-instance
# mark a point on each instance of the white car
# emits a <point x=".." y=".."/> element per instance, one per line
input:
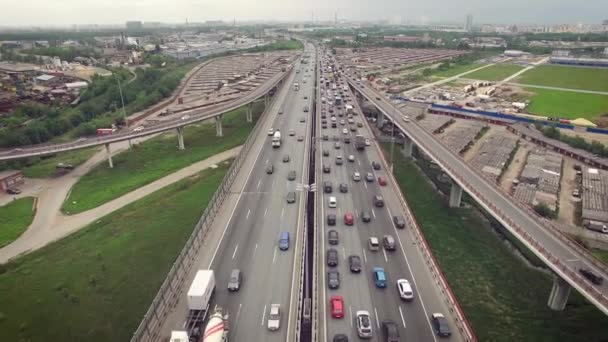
<point x="405" y="289"/>
<point x="356" y="176"/>
<point x="351" y="158"/>
<point x="368" y="142"/>
<point x="138" y="129"/>
<point x="270" y="131"/>
<point x="364" y="324"/>
<point x="186" y="117"/>
<point x="274" y="317"/>
<point x="405" y="118"/>
<point x="344" y="131"/>
<point x="292" y="132"/>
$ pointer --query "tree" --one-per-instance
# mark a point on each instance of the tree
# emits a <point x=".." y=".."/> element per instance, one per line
<point x="543" y="210"/>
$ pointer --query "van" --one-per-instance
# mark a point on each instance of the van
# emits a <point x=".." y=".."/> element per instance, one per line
<point x="379" y="277"/>
<point x="389" y="242"/>
<point x="373" y="243"/>
<point x="234" y="283"/>
<point x="284" y="241"/>
<point x="332" y="202"/>
<point x="378" y="201"/>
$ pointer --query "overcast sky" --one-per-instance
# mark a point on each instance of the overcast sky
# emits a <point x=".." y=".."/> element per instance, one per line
<point x="68" y="12"/>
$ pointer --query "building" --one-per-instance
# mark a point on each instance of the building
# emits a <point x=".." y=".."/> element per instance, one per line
<point x="401" y="38"/>
<point x="593" y="62"/>
<point x="468" y="25"/>
<point x="134" y="25"/>
<point x="11" y="179"/>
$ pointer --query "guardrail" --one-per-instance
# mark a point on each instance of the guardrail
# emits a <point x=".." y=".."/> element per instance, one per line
<point x="559" y="267"/>
<point x="169" y="292"/>
<point x="454" y="307"/>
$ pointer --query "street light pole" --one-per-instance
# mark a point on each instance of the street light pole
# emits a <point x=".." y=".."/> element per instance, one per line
<point x="122" y="100"/>
<point x="392" y="143"/>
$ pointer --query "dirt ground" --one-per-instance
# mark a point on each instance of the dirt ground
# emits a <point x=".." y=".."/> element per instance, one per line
<point x="566" y="201"/>
<point x="516" y="166"/>
<point x="471" y="152"/>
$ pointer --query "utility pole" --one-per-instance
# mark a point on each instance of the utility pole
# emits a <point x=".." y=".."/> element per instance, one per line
<point x="122" y="100"/>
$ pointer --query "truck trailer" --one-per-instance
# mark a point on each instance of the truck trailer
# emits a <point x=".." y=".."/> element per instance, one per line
<point x="199" y="294"/>
<point x="360" y="142"/>
<point x="276" y="140"/>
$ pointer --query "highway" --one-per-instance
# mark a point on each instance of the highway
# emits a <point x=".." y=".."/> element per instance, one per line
<point x="359" y="290"/>
<point x="562" y="255"/>
<point x="250" y="241"/>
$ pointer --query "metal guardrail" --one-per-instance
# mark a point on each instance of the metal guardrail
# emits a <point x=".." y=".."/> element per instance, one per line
<point x="559" y="267"/>
<point x="171" y="289"/>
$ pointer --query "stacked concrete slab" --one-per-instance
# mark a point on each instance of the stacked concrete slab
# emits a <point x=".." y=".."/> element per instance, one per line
<point x="493" y="154"/>
<point x="461" y="134"/>
<point x="542" y="174"/>
<point x="595" y="195"/>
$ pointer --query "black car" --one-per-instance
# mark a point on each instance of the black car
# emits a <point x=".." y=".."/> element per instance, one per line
<point x="440" y="324"/>
<point x="365" y="216"/>
<point x="325" y="137"/>
<point x="269" y="169"/>
<point x="343" y="188"/>
<point x="291" y="175"/>
<point x="327" y="187"/>
<point x="332" y="237"/>
<point x="354" y="262"/>
<point x="399" y="221"/>
<point x="594" y="278"/>
<point x="346" y="140"/>
<point x="340" y="338"/>
<point x="286" y="158"/>
<point x="332" y="257"/>
<point x="376" y="165"/>
<point x="331" y="219"/>
<point x="333" y="279"/>
<point x="291" y="197"/>
<point x="326" y="169"/>
<point x="325" y="153"/>
<point x="13" y="191"/>
<point x="390" y="330"/>
<point x="336" y="138"/>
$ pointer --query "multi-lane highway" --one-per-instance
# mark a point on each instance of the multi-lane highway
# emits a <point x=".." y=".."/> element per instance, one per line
<point x="250" y="241"/>
<point x="358" y="289"/>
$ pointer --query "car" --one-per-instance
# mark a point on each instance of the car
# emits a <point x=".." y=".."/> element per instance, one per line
<point x="351" y="158"/>
<point x="589" y="274"/>
<point x="325" y="153"/>
<point x="405" y="289"/>
<point x="327" y="187"/>
<point x="363" y="322"/>
<point x="332" y="257"/>
<point x="291" y="197"/>
<point x="186" y="117"/>
<point x="381" y="181"/>
<point x="13" y="191"/>
<point x="359" y="124"/>
<point x="368" y="142"/>
<point x="326" y="169"/>
<point x="378" y="201"/>
<point x="405" y="118"/>
<point x="138" y="129"/>
<point x="292" y="132"/>
<point x="337" y="306"/>
<point x="336" y="138"/>
<point x="331" y="219"/>
<point x="353" y="129"/>
<point x="324" y="126"/>
<point x="347" y="140"/>
<point x="373" y="243"/>
<point x="269" y="169"/>
<point x="234" y="283"/>
<point x="342" y="122"/>
<point x="399" y="221"/>
<point x="376" y="166"/>
<point x="343" y="188"/>
<point x="337" y="146"/>
<point x="339" y="160"/>
<point x="349" y="219"/>
<point x="274" y="317"/>
<point x="389" y="242"/>
<point x="286" y="158"/>
<point x="379" y="277"/>
<point x="378" y="98"/>
<point x="325" y="137"/>
<point x="302" y="119"/>
<point x="305" y="97"/>
<point x="356" y="176"/>
<point x="365" y="216"/>
<point x="391" y="331"/>
<point x="440" y="324"/>
<point x="350" y="120"/>
<point x="344" y="131"/>
<point x="305" y="107"/>
<point x="332" y="237"/>
<point x="354" y="263"/>
<point x="369" y="177"/>
<point x="300" y="138"/>
<point x="281" y="112"/>
<point x="333" y="279"/>
<point x="340" y="338"/>
<point x="291" y="175"/>
<point x="271" y="132"/>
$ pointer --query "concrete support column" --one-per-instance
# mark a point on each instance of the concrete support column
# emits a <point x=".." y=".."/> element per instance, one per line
<point x="559" y="294"/>
<point x="250" y="112"/>
<point x="180" y="138"/>
<point x="408" y="146"/>
<point x="266" y="100"/>
<point x="380" y="120"/>
<point x="455" y="195"/>
<point x="109" y="156"/>
<point x="218" y="126"/>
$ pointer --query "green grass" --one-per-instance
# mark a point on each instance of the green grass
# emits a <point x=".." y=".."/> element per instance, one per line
<point x="15" y="217"/>
<point x="600" y="254"/>
<point x="458" y="69"/>
<point x="96" y="284"/>
<point x="46" y="167"/>
<point x="504" y="299"/>
<point x="567" y="104"/>
<point x="496" y="72"/>
<point x="567" y="77"/>
<point x="155" y="159"/>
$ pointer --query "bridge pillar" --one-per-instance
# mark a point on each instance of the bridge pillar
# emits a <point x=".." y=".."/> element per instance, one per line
<point x="109" y="156"/>
<point x="250" y="112"/>
<point x="455" y="195"/>
<point x="266" y="100"/>
<point x="180" y="138"/>
<point x="408" y="147"/>
<point x="218" y="126"/>
<point x="559" y="294"/>
<point x="380" y="120"/>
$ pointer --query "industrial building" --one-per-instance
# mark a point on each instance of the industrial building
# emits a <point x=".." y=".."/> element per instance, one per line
<point x="594" y="62"/>
<point x="11" y="179"/>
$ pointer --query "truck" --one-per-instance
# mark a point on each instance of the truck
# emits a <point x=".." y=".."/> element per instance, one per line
<point x="276" y="140"/>
<point x="105" y="131"/>
<point x="359" y="142"/>
<point x="596" y="226"/>
<point x="217" y="327"/>
<point x="199" y="294"/>
<point x="296" y="86"/>
<point x="338" y="100"/>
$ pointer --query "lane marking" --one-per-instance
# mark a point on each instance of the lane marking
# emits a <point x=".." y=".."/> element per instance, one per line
<point x="377" y="320"/>
<point x="384" y="252"/>
<point x="274" y="255"/>
<point x="236" y="249"/>
<point x="359" y="162"/>
<point x="365" y="184"/>
<point x="263" y="315"/>
<point x="265" y="212"/>
<point x="402" y="319"/>
<point x="365" y="256"/>
<point x="272" y="186"/>
<point x="374" y="212"/>
<point x="248" y="212"/>
<point x="255" y="249"/>
<point x="259" y="182"/>
<point x="343" y="253"/>
<point x="282" y="212"/>
<point x="266" y="161"/>
<point x="350" y="313"/>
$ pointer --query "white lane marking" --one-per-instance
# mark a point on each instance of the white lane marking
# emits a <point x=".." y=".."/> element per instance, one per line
<point x="343" y="253"/>
<point x="263" y="315"/>
<point x="377" y="320"/>
<point x="350" y="314"/>
<point x="374" y="213"/>
<point x="266" y="161"/>
<point x="282" y="212"/>
<point x="238" y="313"/>
<point x="248" y="212"/>
<point x="365" y="184"/>
<point x="364" y="256"/>
<point x="357" y="214"/>
<point x="259" y="182"/>
<point x="272" y="186"/>
<point x="235" y="249"/>
<point x="359" y="162"/>
<point x="384" y="252"/>
<point x="255" y="249"/>
<point x="265" y="212"/>
<point x="274" y="255"/>
<point x="402" y="319"/>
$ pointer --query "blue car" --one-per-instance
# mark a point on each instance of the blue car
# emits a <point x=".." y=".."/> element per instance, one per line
<point x="284" y="241"/>
<point x="379" y="277"/>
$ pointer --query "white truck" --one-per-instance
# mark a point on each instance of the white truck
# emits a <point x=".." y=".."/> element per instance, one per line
<point x="296" y="86"/>
<point x="276" y="140"/>
<point x="199" y="294"/>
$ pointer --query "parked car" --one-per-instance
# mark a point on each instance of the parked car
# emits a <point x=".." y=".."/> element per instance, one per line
<point x="13" y="191"/>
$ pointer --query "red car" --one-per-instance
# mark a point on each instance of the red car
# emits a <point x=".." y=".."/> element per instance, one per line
<point x="337" y="306"/>
<point x="381" y="181"/>
<point x="349" y="220"/>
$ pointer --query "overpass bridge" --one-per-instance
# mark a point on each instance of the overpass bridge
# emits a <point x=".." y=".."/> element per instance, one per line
<point x="194" y="116"/>
<point x="561" y="254"/>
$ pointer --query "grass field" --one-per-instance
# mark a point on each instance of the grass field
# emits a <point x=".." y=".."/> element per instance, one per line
<point x="497" y="72"/>
<point x="156" y="158"/>
<point x="15" y="217"/>
<point x="504" y="299"/>
<point x="458" y="69"/>
<point x="567" y="77"/>
<point x="96" y="284"/>
<point x="567" y="104"/>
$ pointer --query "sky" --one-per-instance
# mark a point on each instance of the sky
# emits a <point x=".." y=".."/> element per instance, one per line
<point x="70" y="12"/>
